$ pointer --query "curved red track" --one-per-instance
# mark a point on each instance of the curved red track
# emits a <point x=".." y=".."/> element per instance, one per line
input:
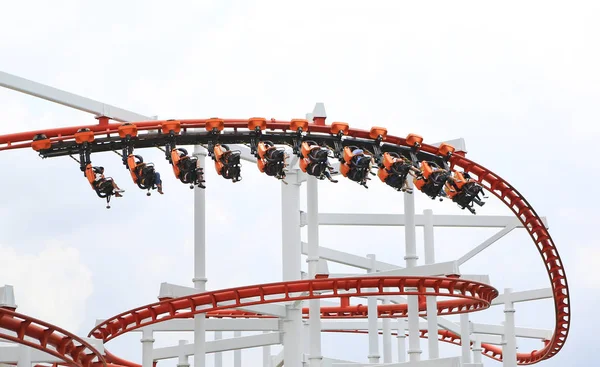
<point x="48" y="338"/>
<point x="473" y="296"/>
<point x="489" y="180"/>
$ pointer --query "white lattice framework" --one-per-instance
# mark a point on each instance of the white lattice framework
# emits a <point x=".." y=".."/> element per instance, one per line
<point x="301" y="339"/>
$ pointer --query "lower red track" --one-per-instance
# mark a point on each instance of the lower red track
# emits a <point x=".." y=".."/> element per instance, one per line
<point x="489" y="180"/>
<point x="48" y="338"/>
<point x="471" y="296"/>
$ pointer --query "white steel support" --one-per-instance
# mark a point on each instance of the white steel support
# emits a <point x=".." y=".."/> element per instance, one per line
<point x="314" y="321"/>
<point x="401" y="336"/>
<point x="87" y="105"/>
<point x="25" y="356"/>
<point x="68" y="99"/>
<point x="237" y="354"/>
<point x="509" y="350"/>
<point x="182" y="359"/>
<point x="387" y="336"/>
<point x="218" y="355"/>
<point x="410" y="236"/>
<point x="291" y="261"/>
<point x="147" y="342"/>
<point x="199" y="262"/>
<point x="440" y="220"/>
<point x="432" y="324"/>
<point x="372" y="320"/>
<point x="414" y="343"/>
<point x="465" y="337"/>
<point x="266" y="354"/>
<point x="477" y="350"/>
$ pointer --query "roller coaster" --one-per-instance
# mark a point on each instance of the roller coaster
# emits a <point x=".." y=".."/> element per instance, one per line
<point x="357" y="151"/>
<point x="440" y="172"/>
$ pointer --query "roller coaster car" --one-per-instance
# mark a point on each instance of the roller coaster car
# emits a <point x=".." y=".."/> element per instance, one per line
<point x="356" y="165"/>
<point x="394" y="171"/>
<point x="186" y="168"/>
<point x="271" y="160"/>
<point x="143" y="174"/>
<point x="315" y="161"/>
<point x="227" y="162"/>
<point x="432" y="180"/>
<point x="103" y="186"/>
<point x="465" y="192"/>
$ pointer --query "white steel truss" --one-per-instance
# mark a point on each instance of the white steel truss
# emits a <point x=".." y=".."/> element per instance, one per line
<point x="288" y="328"/>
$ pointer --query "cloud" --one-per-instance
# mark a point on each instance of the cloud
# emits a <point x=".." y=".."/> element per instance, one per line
<point x="519" y="83"/>
<point x="52" y="285"/>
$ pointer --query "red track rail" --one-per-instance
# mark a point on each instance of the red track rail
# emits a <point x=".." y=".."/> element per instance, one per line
<point x="477" y="295"/>
<point x="489" y="180"/>
<point x="48" y="338"/>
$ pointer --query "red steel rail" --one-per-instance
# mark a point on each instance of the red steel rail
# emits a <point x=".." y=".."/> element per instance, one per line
<point x="48" y="338"/>
<point x="477" y="295"/>
<point x="489" y="180"/>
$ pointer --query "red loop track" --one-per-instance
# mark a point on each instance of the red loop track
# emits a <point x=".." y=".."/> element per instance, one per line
<point x="477" y="295"/>
<point x="489" y="180"/>
<point x="48" y="338"/>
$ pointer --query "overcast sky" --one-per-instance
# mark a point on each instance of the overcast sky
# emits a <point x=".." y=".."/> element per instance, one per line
<point x="518" y="81"/>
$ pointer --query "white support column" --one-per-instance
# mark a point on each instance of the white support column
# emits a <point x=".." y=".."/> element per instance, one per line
<point x="182" y="360"/>
<point x="291" y="261"/>
<point x="387" y="336"/>
<point x="465" y="337"/>
<point x="428" y="236"/>
<point x="432" y="326"/>
<point x="200" y="262"/>
<point x="414" y="343"/>
<point x="306" y="336"/>
<point x="147" y="341"/>
<point x="218" y="355"/>
<point x="410" y="229"/>
<point x="401" y="341"/>
<point x="266" y="353"/>
<point x="314" y="321"/>
<point x="292" y="336"/>
<point x="477" y="357"/>
<point x="509" y="350"/>
<point x="25" y="356"/>
<point x="237" y="354"/>
<point x="372" y="320"/>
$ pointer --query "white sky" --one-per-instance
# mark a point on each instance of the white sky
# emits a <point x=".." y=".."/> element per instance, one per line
<point x="519" y="81"/>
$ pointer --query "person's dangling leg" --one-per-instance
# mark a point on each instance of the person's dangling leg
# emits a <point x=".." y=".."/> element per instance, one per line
<point x="158" y="182"/>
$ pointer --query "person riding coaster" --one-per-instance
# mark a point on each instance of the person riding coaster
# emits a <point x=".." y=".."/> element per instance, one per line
<point x="394" y="171"/>
<point x="315" y="161"/>
<point x="186" y="168"/>
<point x="144" y="174"/>
<point x="432" y="180"/>
<point x="356" y="165"/>
<point x="465" y="191"/>
<point x="105" y="187"/>
<point x="227" y="162"/>
<point x="271" y="160"/>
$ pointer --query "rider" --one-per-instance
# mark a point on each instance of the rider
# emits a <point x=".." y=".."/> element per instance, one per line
<point x="271" y="160"/>
<point x="359" y="165"/>
<point x="433" y="179"/>
<point x="396" y="170"/>
<point x="143" y="171"/>
<point x="187" y="165"/>
<point x="227" y="162"/>
<point x="464" y="191"/>
<point x="316" y="162"/>
<point x="99" y="180"/>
